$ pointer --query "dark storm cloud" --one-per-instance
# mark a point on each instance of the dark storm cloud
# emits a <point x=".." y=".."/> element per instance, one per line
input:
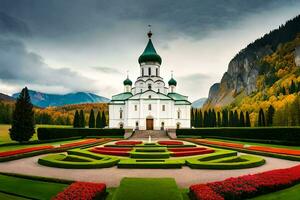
<point x="10" y="26"/>
<point x="61" y="18"/>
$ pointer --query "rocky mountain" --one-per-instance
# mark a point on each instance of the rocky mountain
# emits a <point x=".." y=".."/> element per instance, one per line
<point x="45" y="100"/>
<point x="4" y="97"/>
<point x="199" y="103"/>
<point x="245" y="68"/>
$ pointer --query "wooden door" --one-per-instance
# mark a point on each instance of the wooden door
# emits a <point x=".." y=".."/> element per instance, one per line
<point x="149" y="124"/>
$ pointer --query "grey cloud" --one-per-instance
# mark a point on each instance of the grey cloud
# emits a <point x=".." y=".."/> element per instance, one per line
<point x="17" y="65"/>
<point x="107" y="70"/>
<point x="10" y="26"/>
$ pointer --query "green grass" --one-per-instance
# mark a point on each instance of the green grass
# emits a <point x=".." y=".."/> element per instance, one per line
<point x="4" y="133"/>
<point x="26" y="188"/>
<point x="147" y="189"/>
<point x="292" y="193"/>
<point x="254" y="143"/>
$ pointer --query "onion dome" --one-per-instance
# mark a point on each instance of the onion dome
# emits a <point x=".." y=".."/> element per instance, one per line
<point x="149" y="54"/>
<point x="172" y="81"/>
<point x="127" y="82"/>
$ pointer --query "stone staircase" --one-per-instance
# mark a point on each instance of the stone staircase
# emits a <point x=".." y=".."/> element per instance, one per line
<point x="144" y="134"/>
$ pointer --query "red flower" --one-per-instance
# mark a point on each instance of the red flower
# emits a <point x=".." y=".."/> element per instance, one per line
<point x="132" y="143"/>
<point x="25" y="150"/>
<point x="170" y="142"/>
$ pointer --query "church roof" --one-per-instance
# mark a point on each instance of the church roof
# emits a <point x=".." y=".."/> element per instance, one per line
<point x="122" y="96"/>
<point x="172" y="81"/>
<point x="149" y="54"/>
<point x="178" y="97"/>
<point x="127" y="81"/>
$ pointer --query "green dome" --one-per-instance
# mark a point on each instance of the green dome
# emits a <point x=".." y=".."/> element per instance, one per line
<point x="127" y="82"/>
<point x="149" y="54"/>
<point x="172" y="82"/>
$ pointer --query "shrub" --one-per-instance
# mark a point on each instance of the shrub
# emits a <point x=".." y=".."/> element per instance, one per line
<point x="290" y="135"/>
<point x="54" y="133"/>
<point x="82" y="190"/>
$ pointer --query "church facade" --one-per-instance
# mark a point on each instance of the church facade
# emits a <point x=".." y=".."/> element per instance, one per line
<point x="149" y="104"/>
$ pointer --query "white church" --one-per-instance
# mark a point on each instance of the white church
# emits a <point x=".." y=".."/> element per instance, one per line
<point x="149" y="104"/>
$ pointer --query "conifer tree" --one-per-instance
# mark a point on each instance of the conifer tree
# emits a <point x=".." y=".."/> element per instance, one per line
<point x="192" y="118"/>
<point x="99" y="120"/>
<point x="196" y="119"/>
<point x="235" y="118"/>
<point x="103" y="119"/>
<point x="81" y="119"/>
<point x="200" y="123"/>
<point x="205" y="119"/>
<point x="76" y="122"/>
<point x="292" y="88"/>
<point x="92" y="119"/>
<point x="270" y="115"/>
<point x="219" y="122"/>
<point x="23" y="124"/>
<point x="213" y="118"/>
<point x="230" y="122"/>
<point x="242" y="119"/>
<point x="247" y="123"/>
<point x="225" y="118"/>
<point x="261" y="118"/>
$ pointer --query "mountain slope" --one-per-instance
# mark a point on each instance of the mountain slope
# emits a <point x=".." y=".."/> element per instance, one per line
<point x="199" y="103"/>
<point x="4" y="97"/>
<point x="245" y="68"/>
<point x="45" y="100"/>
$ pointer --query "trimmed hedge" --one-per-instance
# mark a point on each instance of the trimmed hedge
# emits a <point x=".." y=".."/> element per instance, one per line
<point x="151" y="163"/>
<point x="55" y="133"/>
<point x="290" y="135"/>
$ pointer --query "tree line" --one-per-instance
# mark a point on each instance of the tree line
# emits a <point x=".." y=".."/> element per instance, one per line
<point x="98" y="122"/>
<point x="229" y="118"/>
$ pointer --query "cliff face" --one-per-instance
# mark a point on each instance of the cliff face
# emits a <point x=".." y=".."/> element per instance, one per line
<point x="297" y="56"/>
<point x="241" y="76"/>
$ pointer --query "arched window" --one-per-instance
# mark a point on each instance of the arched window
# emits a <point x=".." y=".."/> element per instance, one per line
<point x="121" y="113"/>
<point x="141" y="90"/>
<point x="149" y="107"/>
<point x="149" y="96"/>
<point x="156" y="71"/>
<point x="142" y="71"/>
<point x="163" y="107"/>
<point x="178" y="114"/>
<point x="162" y="125"/>
<point x="158" y="90"/>
<point x="149" y="71"/>
<point x="135" y="107"/>
<point x="121" y="125"/>
<point x="149" y="86"/>
<point x="178" y="125"/>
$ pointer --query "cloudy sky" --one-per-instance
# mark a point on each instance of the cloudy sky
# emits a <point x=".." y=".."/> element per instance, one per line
<point x="60" y="46"/>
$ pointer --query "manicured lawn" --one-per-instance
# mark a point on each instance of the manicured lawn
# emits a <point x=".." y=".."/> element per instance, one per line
<point x="292" y="193"/>
<point x="4" y="134"/>
<point x="29" y="188"/>
<point x="4" y="196"/>
<point x="147" y="189"/>
<point x="253" y="143"/>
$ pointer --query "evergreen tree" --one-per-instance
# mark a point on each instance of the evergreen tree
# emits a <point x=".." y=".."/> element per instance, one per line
<point x="235" y="119"/>
<point x="103" y="119"/>
<point x="219" y="122"/>
<point x="92" y="119"/>
<point x="196" y="121"/>
<point x="192" y="118"/>
<point x="76" y="122"/>
<point x="242" y="119"/>
<point x="200" y="116"/>
<point x="271" y="111"/>
<point x="230" y="122"/>
<point x="23" y="118"/>
<point x="81" y="119"/>
<point x="205" y="119"/>
<point x="292" y="88"/>
<point x="261" y="118"/>
<point x="225" y="118"/>
<point x="99" y="121"/>
<point x="248" y="124"/>
<point x="214" y="118"/>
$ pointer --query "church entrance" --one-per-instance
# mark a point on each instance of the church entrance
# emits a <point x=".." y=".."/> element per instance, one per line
<point x="149" y="124"/>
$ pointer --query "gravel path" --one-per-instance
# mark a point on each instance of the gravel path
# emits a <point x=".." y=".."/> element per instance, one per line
<point x="112" y="176"/>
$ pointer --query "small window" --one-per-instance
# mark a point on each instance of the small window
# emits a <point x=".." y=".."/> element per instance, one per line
<point x="149" y="107"/>
<point x="178" y="114"/>
<point x="163" y="107"/>
<point x="149" y="96"/>
<point x="135" y="107"/>
<point x="149" y="71"/>
<point x="141" y="90"/>
<point x="156" y="72"/>
<point x="149" y="86"/>
<point x="142" y="71"/>
<point x="121" y="113"/>
<point x="158" y="90"/>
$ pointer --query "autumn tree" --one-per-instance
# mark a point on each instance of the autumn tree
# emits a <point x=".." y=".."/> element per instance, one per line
<point x="23" y="124"/>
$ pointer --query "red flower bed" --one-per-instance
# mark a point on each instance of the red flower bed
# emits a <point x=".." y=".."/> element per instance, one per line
<point x="25" y="150"/>
<point x="170" y="142"/>
<point x="82" y="190"/>
<point x="202" y="191"/>
<point x="186" y="149"/>
<point x="113" y="148"/>
<point x="74" y="144"/>
<point x="250" y="185"/>
<point x="226" y="144"/>
<point x="132" y="143"/>
<point x="107" y="152"/>
<point x="191" y="153"/>
<point x="275" y="150"/>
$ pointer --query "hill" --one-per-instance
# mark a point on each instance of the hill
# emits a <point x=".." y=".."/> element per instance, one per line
<point x="245" y="69"/>
<point x="199" y="103"/>
<point x="4" y="97"/>
<point x="45" y="100"/>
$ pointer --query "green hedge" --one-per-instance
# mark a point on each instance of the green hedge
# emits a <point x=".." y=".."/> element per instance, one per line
<point x="55" y="133"/>
<point x="287" y="135"/>
<point x="151" y="163"/>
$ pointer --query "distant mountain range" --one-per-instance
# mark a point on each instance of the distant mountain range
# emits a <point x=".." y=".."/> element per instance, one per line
<point x="6" y="97"/>
<point x="199" y="103"/>
<point x="45" y="100"/>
